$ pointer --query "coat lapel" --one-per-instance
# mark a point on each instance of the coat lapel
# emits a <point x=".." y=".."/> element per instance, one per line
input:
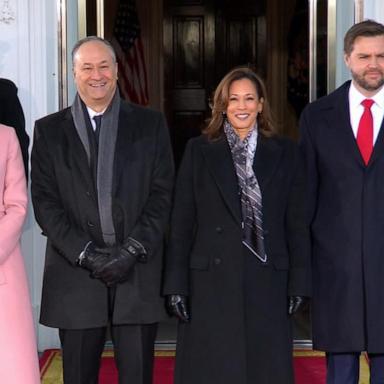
<point x="220" y="164"/>
<point x="378" y="149"/>
<point x="127" y="122"/>
<point x="338" y="117"/>
<point x="77" y="150"/>
<point x="342" y="117"/>
<point x="267" y="157"/>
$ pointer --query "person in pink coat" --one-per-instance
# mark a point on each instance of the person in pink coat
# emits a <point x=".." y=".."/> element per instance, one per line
<point x="18" y="351"/>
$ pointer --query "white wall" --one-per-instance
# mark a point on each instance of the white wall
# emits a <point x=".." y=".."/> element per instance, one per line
<point x="28" y="56"/>
<point x="374" y="9"/>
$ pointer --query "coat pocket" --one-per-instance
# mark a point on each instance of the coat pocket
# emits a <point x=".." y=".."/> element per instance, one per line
<point x="201" y="263"/>
<point x="281" y="262"/>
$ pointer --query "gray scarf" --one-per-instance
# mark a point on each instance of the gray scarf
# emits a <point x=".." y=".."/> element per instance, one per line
<point x="243" y="153"/>
<point x="105" y="159"/>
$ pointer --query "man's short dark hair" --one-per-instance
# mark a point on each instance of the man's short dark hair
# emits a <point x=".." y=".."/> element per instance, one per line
<point x="367" y="28"/>
<point x="89" y="39"/>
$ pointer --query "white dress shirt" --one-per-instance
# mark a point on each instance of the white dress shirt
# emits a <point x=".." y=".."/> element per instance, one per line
<point x="92" y="114"/>
<point x="356" y="110"/>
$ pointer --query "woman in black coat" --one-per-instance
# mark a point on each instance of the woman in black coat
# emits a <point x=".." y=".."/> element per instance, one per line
<point x="238" y="258"/>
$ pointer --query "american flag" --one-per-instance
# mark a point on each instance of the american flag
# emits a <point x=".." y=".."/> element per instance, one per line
<point x="130" y="54"/>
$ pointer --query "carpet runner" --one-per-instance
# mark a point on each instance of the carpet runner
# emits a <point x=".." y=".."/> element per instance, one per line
<point x="309" y="367"/>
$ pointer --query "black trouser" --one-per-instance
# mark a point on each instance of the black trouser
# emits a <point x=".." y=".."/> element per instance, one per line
<point x="133" y="346"/>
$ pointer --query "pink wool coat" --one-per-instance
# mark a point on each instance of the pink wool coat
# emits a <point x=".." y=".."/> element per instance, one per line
<point x="18" y="351"/>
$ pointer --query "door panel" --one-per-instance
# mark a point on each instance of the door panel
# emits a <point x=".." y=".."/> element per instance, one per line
<point x="202" y="42"/>
<point x="241" y="37"/>
<point x="188" y="52"/>
<point x="188" y="62"/>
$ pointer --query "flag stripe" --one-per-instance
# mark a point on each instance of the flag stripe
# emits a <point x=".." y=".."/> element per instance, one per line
<point x="130" y="54"/>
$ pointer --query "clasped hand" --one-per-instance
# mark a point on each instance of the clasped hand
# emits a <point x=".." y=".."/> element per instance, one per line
<point x="111" y="265"/>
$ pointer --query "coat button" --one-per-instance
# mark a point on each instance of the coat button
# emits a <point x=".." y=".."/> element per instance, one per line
<point x="219" y="230"/>
<point x="265" y="232"/>
<point x="217" y="261"/>
<point x="142" y="258"/>
<point x="88" y="193"/>
<point x="90" y="224"/>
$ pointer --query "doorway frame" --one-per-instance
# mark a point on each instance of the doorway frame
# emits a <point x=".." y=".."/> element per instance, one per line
<point x="64" y="51"/>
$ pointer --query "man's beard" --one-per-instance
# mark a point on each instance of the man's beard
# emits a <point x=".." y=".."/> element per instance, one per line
<point x="368" y="85"/>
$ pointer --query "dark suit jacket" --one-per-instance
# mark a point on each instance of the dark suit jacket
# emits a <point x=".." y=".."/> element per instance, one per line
<point x="65" y="206"/>
<point x="347" y="223"/>
<point x="11" y="114"/>
<point x="205" y="255"/>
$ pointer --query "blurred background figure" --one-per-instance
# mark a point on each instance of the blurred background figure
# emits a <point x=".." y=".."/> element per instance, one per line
<point x="11" y="113"/>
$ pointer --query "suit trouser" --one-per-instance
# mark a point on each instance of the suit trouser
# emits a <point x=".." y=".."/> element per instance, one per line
<point x="344" y="368"/>
<point x="133" y="347"/>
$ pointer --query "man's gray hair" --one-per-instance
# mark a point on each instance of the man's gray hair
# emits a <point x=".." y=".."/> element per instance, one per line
<point x="89" y="39"/>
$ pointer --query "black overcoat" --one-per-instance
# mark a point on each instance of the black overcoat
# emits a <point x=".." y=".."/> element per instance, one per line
<point x="205" y="261"/>
<point x="347" y="222"/>
<point x="65" y="206"/>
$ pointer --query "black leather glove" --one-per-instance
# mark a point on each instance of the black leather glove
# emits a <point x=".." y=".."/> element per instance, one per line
<point x="295" y="303"/>
<point x="121" y="261"/>
<point x="177" y="306"/>
<point x="93" y="258"/>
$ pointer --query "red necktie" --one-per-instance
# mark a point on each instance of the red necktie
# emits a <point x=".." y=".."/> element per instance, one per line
<point x="365" y="131"/>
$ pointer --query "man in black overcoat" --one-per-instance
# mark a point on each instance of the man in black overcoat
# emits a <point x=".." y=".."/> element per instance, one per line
<point x="102" y="175"/>
<point x="343" y="141"/>
<point x="11" y="114"/>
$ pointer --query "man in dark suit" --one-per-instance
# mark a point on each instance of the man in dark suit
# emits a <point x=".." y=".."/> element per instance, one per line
<point x="101" y="192"/>
<point x="11" y="114"/>
<point x="343" y="141"/>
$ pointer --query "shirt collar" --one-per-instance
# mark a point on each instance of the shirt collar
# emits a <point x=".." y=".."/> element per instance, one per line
<point x="356" y="97"/>
<point x="93" y="113"/>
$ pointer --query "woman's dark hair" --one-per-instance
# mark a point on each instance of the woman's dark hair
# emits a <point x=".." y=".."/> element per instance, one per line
<point x="214" y="128"/>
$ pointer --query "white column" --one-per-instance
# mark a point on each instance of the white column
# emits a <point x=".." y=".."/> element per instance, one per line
<point x="345" y="19"/>
<point x="374" y="9"/>
<point x="43" y="98"/>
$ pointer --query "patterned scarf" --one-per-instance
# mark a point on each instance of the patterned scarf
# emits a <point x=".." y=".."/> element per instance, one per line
<point x="243" y="153"/>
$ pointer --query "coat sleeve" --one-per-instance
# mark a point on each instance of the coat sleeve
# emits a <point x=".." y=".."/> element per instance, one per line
<point x="298" y="235"/>
<point x="308" y="152"/>
<point x="183" y="223"/>
<point x="150" y="227"/>
<point x="14" y="198"/>
<point x="67" y="238"/>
